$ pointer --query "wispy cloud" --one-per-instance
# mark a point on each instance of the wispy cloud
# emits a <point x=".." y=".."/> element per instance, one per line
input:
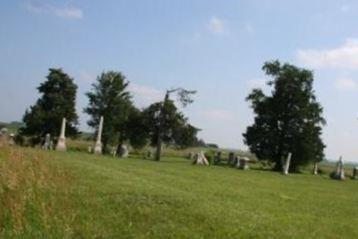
<point x="145" y="95"/>
<point x="344" y="56"/>
<point x="68" y="12"/>
<point x="346" y="84"/>
<point x="218" y="26"/>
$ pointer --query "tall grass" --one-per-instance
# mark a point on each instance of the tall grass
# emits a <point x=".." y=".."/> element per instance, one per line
<point x="33" y="196"/>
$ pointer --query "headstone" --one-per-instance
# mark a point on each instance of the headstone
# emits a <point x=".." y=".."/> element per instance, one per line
<point x="243" y="163"/>
<point x="47" y="143"/>
<point x="114" y="151"/>
<point x="61" y="144"/>
<point x="315" y="169"/>
<point x="355" y="173"/>
<point x="286" y="167"/>
<point x="148" y="155"/>
<point x="123" y="151"/>
<point x="339" y="173"/>
<point x="191" y="155"/>
<point x="11" y="139"/>
<point x="89" y="149"/>
<point x="217" y="158"/>
<point x="200" y="159"/>
<point x="98" y="145"/>
<point x="231" y="159"/>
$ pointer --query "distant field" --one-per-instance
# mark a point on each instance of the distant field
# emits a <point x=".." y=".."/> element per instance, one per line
<point x="104" y="197"/>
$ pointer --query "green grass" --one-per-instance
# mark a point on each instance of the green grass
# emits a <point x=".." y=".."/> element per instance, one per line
<point x="135" y="198"/>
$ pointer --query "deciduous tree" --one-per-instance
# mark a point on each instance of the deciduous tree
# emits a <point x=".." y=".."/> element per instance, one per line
<point x="288" y="120"/>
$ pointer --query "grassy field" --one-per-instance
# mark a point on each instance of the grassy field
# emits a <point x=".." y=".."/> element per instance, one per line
<point x="87" y="196"/>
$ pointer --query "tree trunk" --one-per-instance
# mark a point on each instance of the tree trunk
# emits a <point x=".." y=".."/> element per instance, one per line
<point x="160" y="130"/>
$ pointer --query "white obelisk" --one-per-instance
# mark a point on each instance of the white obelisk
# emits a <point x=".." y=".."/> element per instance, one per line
<point x="98" y="145"/>
<point x="315" y="169"/>
<point x="287" y="164"/>
<point x="61" y="144"/>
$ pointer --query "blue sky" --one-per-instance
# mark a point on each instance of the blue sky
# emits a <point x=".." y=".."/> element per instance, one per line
<point x="215" y="47"/>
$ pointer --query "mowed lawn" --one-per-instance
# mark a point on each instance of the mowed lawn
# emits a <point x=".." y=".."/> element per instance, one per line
<point x="136" y="198"/>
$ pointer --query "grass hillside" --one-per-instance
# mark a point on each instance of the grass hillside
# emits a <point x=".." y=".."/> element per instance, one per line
<point x="104" y="197"/>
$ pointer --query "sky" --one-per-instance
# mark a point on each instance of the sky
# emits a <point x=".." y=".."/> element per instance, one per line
<point x="215" y="47"/>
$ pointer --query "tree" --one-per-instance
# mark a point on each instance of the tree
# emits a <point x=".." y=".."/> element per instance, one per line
<point x="163" y="118"/>
<point x="288" y="120"/>
<point x="109" y="98"/>
<point x="58" y="100"/>
<point x="136" y="129"/>
<point x="185" y="135"/>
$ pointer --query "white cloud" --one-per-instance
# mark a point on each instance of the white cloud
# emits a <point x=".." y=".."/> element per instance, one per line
<point x="346" y="84"/>
<point x="68" y="12"/>
<point x="145" y="95"/>
<point x="217" y="26"/>
<point x="216" y="114"/>
<point x="343" y="57"/>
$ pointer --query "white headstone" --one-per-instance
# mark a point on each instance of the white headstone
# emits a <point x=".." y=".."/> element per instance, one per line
<point x="200" y="159"/>
<point x="11" y="139"/>
<point x="339" y="174"/>
<point x="315" y="169"/>
<point x="48" y="144"/>
<point x="123" y="151"/>
<point x="61" y="144"/>
<point x="243" y="163"/>
<point x="98" y="145"/>
<point x="286" y="167"/>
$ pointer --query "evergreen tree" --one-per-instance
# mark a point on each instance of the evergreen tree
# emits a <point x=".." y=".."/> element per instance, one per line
<point x="58" y="100"/>
<point x="288" y="120"/>
<point x="110" y="98"/>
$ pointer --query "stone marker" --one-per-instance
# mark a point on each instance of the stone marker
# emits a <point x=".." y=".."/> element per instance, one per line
<point x="61" y="144"/>
<point x="355" y="173"/>
<point x="11" y="139"/>
<point x="98" y="145"/>
<point x="191" y="155"/>
<point x="114" y="151"/>
<point x="339" y="173"/>
<point x="243" y="163"/>
<point x="231" y="159"/>
<point x="286" y="167"/>
<point x="200" y="159"/>
<point x="315" y="169"/>
<point x="89" y="149"/>
<point x="217" y="158"/>
<point x="123" y="151"/>
<point x="148" y="155"/>
<point x="48" y="145"/>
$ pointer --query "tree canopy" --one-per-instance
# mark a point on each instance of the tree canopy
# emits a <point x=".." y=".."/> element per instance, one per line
<point x="57" y="101"/>
<point x="111" y="99"/>
<point x="288" y="120"/>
